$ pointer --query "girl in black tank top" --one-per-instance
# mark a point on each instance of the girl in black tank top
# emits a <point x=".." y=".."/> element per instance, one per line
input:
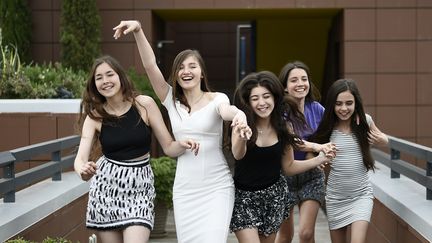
<point x="261" y="188"/>
<point x="121" y="191"/>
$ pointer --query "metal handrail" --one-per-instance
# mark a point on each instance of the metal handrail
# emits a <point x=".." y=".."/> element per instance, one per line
<point x="398" y="166"/>
<point x="8" y="159"/>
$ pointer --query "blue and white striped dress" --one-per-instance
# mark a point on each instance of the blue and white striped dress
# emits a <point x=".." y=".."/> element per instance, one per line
<point x="349" y="194"/>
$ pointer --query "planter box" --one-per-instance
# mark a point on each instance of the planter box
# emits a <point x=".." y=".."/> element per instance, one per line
<point x="69" y="106"/>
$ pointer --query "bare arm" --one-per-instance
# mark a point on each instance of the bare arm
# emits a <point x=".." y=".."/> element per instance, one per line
<point x="157" y="80"/>
<point x="86" y="169"/>
<point x="238" y="141"/>
<point x="170" y="147"/>
<point x="316" y="147"/>
<point x="292" y="167"/>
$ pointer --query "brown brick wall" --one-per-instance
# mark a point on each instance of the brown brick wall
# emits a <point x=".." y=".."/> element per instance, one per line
<point x="68" y="222"/>
<point x="387" y="227"/>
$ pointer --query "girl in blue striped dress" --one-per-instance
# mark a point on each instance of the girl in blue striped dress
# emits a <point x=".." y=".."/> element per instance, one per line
<point x="349" y="195"/>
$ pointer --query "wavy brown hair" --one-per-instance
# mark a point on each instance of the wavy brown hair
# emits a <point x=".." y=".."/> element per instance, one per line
<point x="282" y="104"/>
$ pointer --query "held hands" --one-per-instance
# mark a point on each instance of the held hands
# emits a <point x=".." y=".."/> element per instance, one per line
<point x="242" y="130"/>
<point x="327" y="157"/>
<point x="190" y="144"/>
<point x="327" y="148"/>
<point x="239" y="123"/>
<point x="87" y="170"/>
<point x="126" y="27"/>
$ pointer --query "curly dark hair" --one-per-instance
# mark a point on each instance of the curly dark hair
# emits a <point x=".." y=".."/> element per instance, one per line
<point x="282" y="104"/>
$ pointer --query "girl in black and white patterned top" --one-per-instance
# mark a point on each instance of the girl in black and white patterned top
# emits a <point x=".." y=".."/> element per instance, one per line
<point x="121" y="191"/>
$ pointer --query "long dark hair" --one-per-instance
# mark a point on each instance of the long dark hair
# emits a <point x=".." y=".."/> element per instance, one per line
<point x="330" y="119"/>
<point x="313" y="94"/>
<point x="178" y="93"/>
<point x="269" y="81"/>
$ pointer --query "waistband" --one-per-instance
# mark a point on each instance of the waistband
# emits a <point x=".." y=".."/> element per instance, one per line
<point x="130" y="163"/>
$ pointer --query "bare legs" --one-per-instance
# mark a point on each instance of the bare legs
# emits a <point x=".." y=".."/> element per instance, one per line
<point x="131" y="234"/>
<point x="358" y="233"/>
<point x="251" y="236"/>
<point x="286" y="231"/>
<point x="308" y="211"/>
<point x="308" y="214"/>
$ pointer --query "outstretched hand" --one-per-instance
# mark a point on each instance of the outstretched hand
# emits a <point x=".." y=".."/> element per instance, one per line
<point x="243" y="131"/>
<point x="125" y="27"/>
<point x="87" y="170"/>
<point x="191" y="144"/>
<point x="241" y="121"/>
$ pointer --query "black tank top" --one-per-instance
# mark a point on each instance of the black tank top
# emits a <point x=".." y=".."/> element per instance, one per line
<point x="259" y="168"/>
<point x="126" y="137"/>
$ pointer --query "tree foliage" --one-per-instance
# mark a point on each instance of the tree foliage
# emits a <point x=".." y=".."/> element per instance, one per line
<point x="79" y="33"/>
<point x="15" y="25"/>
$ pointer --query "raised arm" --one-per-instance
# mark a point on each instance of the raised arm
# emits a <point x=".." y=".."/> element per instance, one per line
<point x="170" y="147"/>
<point x="157" y="80"/>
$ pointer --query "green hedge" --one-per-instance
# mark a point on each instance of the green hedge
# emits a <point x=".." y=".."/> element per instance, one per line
<point x="16" y="26"/>
<point x="79" y="33"/>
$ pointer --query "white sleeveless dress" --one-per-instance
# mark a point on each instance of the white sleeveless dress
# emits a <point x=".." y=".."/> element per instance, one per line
<point x="203" y="188"/>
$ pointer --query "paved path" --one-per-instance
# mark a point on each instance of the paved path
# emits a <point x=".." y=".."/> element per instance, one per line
<point x="322" y="234"/>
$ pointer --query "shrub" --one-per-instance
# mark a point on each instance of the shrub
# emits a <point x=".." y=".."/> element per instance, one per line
<point x="164" y="172"/>
<point x="46" y="240"/>
<point x="79" y="33"/>
<point x="142" y="84"/>
<point x="42" y="82"/>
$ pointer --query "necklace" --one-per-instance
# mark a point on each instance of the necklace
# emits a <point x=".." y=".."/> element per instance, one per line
<point x="198" y="100"/>
<point x="261" y="131"/>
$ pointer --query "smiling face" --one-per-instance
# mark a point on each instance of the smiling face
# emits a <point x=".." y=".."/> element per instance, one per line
<point x="262" y="101"/>
<point x="344" y="106"/>
<point x="297" y="84"/>
<point x="107" y="80"/>
<point x="189" y="73"/>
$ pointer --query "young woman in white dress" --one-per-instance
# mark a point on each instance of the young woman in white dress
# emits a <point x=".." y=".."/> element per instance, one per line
<point x="203" y="192"/>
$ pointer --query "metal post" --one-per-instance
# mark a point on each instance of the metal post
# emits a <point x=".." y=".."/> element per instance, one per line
<point x="8" y="173"/>
<point x="56" y="157"/>
<point x="239" y="27"/>
<point x="395" y="155"/>
<point x="428" y="173"/>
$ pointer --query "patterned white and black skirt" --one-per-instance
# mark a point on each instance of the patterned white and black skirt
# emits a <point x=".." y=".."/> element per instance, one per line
<point x="121" y="194"/>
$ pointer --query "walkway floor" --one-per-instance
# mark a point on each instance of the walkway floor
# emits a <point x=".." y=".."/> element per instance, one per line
<point x="322" y="234"/>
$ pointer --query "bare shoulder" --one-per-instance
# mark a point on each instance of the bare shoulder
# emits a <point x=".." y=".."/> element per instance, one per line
<point x="145" y="101"/>
<point x="216" y="96"/>
<point x="92" y="123"/>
